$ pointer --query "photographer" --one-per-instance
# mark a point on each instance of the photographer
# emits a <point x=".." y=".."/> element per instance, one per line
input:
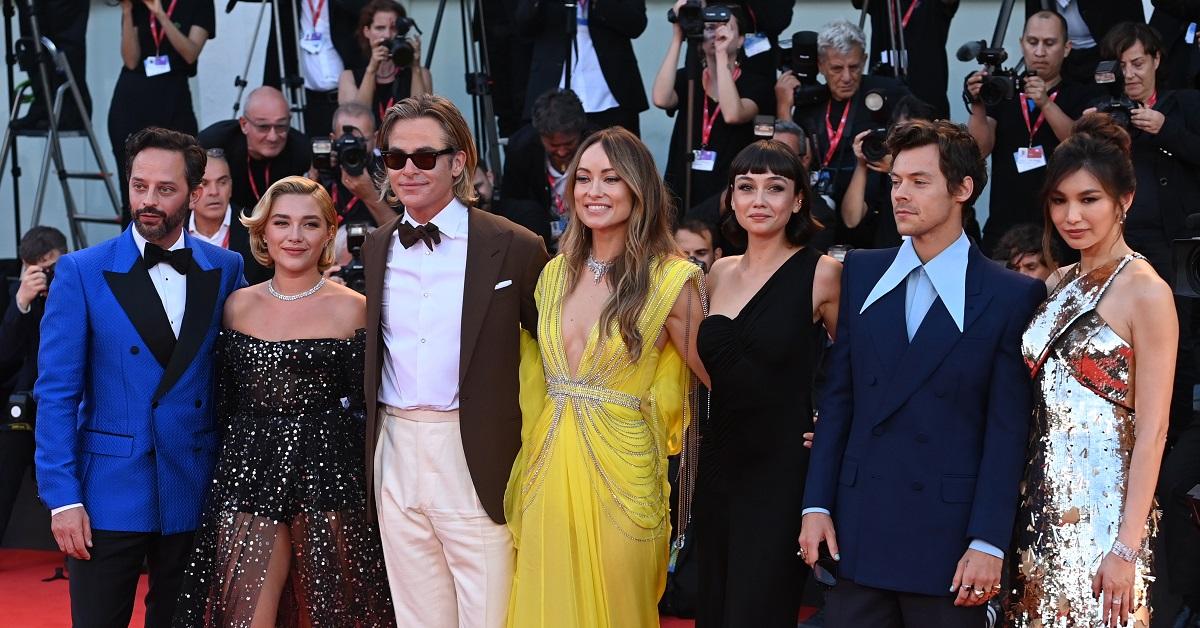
<point x="834" y="119"/>
<point x="926" y="27"/>
<point x="261" y="147"/>
<point x="1020" y="133"/>
<point x="1088" y="23"/>
<point x="536" y="160"/>
<point x="393" y="71"/>
<point x="727" y="100"/>
<point x="604" y="71"/>
<point x="350" y="169"/>
<point x="39" y="249"/>
<point x="866" y="207"/>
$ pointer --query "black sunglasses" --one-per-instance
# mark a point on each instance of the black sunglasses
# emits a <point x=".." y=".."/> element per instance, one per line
<point x="423" y="159"/>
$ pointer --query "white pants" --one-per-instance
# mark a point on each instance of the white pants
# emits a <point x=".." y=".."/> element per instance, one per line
<point x="449" y="565"/>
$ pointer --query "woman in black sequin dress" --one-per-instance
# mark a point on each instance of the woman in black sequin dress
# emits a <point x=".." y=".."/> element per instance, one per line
<point x="286" y="540"/>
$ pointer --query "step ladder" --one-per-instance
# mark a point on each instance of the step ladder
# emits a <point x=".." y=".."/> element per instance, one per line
<point x="48" y="54"/>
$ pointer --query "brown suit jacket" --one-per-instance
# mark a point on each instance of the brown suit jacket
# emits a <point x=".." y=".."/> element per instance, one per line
<point x="489" y="411"/>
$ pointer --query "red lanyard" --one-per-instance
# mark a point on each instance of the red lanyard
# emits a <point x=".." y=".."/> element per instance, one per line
<point x="383" y="110"/>
<point x="225" y="242"/>
<point x="908" y="14"/>
<point x="707" y="121"/>
<point x="250" y="176"/>
<point x="835" y="137"/>
<point x="156" y="34"/>
<point x="1150" y="102"/>
<point x="316" y="11"/>
<point x="558" y="199"/>
<point x="349" y="206"/>
<point x="1041" y="116"/>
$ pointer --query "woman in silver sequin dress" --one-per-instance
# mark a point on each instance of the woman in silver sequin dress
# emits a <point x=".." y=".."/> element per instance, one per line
<point x="285" y="540"/>
<point x="1101" y="351"/>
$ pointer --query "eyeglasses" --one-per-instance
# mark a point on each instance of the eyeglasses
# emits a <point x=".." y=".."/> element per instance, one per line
<point x="265" y="127"/>
<point x="423" y="159"/>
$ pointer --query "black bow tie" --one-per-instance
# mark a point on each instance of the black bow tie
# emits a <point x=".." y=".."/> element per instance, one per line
<point x="409" y="235"/>
<point x="179" y="259"/>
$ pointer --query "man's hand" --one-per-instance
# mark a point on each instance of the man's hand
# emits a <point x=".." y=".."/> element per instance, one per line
<point x="1147" y="119"/>
<point x="974" y="83"/>
<point x="33" y="285"/>
<point x="73" y="531"/>
<point x="361" y="186"/>
<point x="815" y="528"/>
<point x="1035" y="90"/>
<point x="332" y="274"/>
<point x="977" y="578"/>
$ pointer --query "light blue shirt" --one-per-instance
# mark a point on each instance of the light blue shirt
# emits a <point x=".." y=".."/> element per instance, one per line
<point x="944" y="276"/>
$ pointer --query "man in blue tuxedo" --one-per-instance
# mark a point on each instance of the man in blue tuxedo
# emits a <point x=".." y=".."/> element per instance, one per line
<point x="126" y="439"/>
<point x="921" y="440"/>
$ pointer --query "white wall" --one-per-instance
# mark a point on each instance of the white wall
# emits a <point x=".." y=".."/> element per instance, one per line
<point x="224" y="58"/>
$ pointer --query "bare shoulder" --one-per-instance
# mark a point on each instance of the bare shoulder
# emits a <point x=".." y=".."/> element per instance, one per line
<point x="827" y="280"/>
<point x="1057" y="276"/>
<point x="241" y="301"/>
<point x="720" y="269"/>
<point x="1141" y="286"/>
<point x="349" y="307"/>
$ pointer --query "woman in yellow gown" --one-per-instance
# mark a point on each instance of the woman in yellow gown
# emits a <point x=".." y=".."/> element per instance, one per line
<point x="606" y="395"/>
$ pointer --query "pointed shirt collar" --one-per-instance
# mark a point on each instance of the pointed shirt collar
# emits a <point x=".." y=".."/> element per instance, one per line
<point x="947" y="272"/>
<point x="451" y="221"/>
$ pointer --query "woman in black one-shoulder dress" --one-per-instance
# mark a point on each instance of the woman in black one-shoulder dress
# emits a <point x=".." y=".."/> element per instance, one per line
<point x="770" y="312"/>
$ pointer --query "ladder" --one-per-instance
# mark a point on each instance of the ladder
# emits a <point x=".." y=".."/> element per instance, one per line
<point x="47" y="52"/>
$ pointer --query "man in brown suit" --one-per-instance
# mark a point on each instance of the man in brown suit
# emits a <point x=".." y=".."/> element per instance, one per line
<point x="448" y="289"/>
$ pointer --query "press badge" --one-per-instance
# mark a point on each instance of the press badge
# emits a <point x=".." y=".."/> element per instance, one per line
<point x="558" y="227"/>
<point x="311" y="42"/>
<point x="1030" y="158"/>
<point x="157" y="65"/>
<point x="705" y="160"/>
<point x="756" y="43"/>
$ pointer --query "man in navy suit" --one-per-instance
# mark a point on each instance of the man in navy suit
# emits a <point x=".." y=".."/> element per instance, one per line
<point x="126" y="439"/>
<point x="921" y="438"/>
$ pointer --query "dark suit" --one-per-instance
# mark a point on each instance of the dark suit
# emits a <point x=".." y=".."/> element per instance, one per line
<point x="1100" y="16"/>
<point x="613" y="24"/>
<point x="489" y="412"/>
<point x="920" y="445"/>
<point x="18" y="361"/>
<point x="239" y="242"/>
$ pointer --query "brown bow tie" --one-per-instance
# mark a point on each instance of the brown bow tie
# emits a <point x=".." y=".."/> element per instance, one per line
<point x="409" y="235"/>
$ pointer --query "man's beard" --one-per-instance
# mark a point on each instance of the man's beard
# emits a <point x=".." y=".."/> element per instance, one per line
<point x="167" y="222"/>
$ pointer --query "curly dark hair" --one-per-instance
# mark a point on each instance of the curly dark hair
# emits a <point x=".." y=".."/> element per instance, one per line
<point x="958" y="154"/>
<point x="194" y="157"/>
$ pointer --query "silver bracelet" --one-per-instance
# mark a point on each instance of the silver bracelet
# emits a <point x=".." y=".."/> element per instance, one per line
<point x="1124" y="552"/>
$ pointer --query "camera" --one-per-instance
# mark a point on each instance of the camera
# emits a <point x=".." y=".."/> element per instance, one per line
<point x="874" y="145"/>
<point x="799" y="56"/>
<point x="692" y="17"/>
<point x="699" y="262"/>
<point x="353" y="273"/>
<point x="400" y="49"/>
<point x="1109" y="76"/>
<point x="1001" y="83"/>
<point x="350" y="151"/>
<point x="22" y="408"/>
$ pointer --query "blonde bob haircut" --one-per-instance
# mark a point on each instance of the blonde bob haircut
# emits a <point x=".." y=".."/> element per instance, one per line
<point x="256" y="222"/>
<point x="455" y="131"/>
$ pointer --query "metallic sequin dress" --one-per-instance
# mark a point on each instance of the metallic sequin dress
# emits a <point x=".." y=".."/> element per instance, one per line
<point x="1080" y="445"/>
<point x="291" y="414"/>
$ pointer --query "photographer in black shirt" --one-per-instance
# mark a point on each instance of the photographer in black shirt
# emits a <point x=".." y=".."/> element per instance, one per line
<point x="350" y="168"/>
<point x="39" y="249"/>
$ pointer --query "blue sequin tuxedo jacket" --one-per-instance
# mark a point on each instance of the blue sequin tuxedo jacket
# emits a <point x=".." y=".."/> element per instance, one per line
<point x="920" y="446"/>
<point x="125" y="410"/>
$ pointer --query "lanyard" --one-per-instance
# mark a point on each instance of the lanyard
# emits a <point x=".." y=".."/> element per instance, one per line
<point x="1150" y="102"/>
<point x="908" y="14"/>
<point x="349" y="206"/>
<point x="316" y="12"/>
<point x="558" y="199"/>
<point x="1041" y="116"/>
<point x="384" y="109"/>
<point x="707" y="121"/>
<point x="225" y="242"/>
<point x="835" y="137"/>
<point x="156" y="34"/>
<point x="250" y="176"/>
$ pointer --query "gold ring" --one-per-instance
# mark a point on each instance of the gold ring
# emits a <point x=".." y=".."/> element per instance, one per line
<point x="978" y="592"/>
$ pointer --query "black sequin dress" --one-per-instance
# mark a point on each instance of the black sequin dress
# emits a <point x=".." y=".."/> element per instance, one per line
<point x="291" y="415"/>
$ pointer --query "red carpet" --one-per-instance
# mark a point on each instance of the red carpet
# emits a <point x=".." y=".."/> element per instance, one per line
<point x="30" y="603"/>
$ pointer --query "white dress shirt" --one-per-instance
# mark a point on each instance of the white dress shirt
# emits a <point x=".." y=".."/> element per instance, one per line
<point x="170" y="285"/>
<point x="319" y="60"/>
<point x="221" y="237"/>
<point x="172" y="289"/>
<point x="944" y="276"/>
<point x="421" y="314"/>
<point x="587" y="80"/>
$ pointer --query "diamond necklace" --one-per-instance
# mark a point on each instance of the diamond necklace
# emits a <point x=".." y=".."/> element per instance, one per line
<point x="598" y="268"/>
<point x="292" y="297"/>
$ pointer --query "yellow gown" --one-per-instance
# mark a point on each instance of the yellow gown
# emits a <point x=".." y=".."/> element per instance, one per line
<point x="588" y="499"/>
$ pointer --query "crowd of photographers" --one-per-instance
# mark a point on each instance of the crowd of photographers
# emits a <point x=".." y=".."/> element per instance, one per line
<point x="728" y="76"/>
